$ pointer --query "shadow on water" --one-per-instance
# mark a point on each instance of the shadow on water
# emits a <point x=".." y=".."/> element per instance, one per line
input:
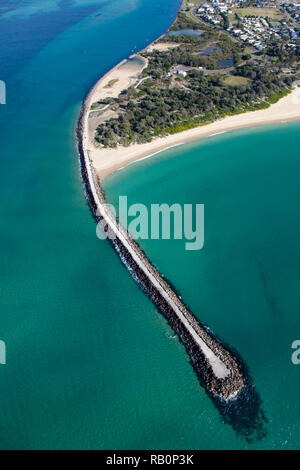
<point x="244" y="413"/>
<point x="269" y="296"/>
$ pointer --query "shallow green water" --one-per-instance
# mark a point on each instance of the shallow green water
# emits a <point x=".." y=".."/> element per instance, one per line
<point x="244" y="284"/>
<point x="90" y="363"/>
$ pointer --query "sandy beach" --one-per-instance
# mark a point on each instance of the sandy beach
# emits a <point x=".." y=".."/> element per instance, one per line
<point x="162" y="46"/>
<point x="126" y="74"/>
<point x="118" y="79"/>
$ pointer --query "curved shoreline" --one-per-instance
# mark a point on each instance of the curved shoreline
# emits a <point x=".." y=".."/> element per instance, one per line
<point x="216" y="368"/>
<point x="234" y="395"/>
<point x="220" y="370"/>
<point x="107" y="161"/>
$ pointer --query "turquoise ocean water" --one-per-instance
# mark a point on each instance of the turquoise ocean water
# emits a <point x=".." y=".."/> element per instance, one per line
<point x="90" y="363"/>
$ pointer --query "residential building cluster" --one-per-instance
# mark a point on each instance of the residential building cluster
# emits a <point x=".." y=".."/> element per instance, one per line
<point x="256" y="31"/>
<point x="212" y="11"/>
<point x="293" y="9"/>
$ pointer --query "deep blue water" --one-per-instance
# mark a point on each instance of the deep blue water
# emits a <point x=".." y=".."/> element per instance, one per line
<point x="34" y="26"/>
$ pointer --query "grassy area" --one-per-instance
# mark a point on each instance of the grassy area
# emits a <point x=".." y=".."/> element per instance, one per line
<point x="111" y="83"/>
<point x="272" y="13"/>
<point x="277" y="96"/>
<point x="188" y="20"/>
<point x="185" y="126"/>
<point x="231" y="80"/>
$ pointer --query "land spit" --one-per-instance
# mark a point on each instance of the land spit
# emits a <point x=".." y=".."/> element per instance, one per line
<point x="218" y="369"/>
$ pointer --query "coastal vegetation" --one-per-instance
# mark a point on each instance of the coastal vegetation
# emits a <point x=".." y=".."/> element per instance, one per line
<point x="111" y="83"/>
<point x="208" y="76"/>
<point x="186" y="20"/>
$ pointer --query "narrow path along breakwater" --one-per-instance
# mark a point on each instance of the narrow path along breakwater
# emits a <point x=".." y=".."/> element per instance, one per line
<point x="217" y="369"/>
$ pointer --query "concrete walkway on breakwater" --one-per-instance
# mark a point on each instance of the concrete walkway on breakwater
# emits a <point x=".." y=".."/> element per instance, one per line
<point x="218" y="367"/>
